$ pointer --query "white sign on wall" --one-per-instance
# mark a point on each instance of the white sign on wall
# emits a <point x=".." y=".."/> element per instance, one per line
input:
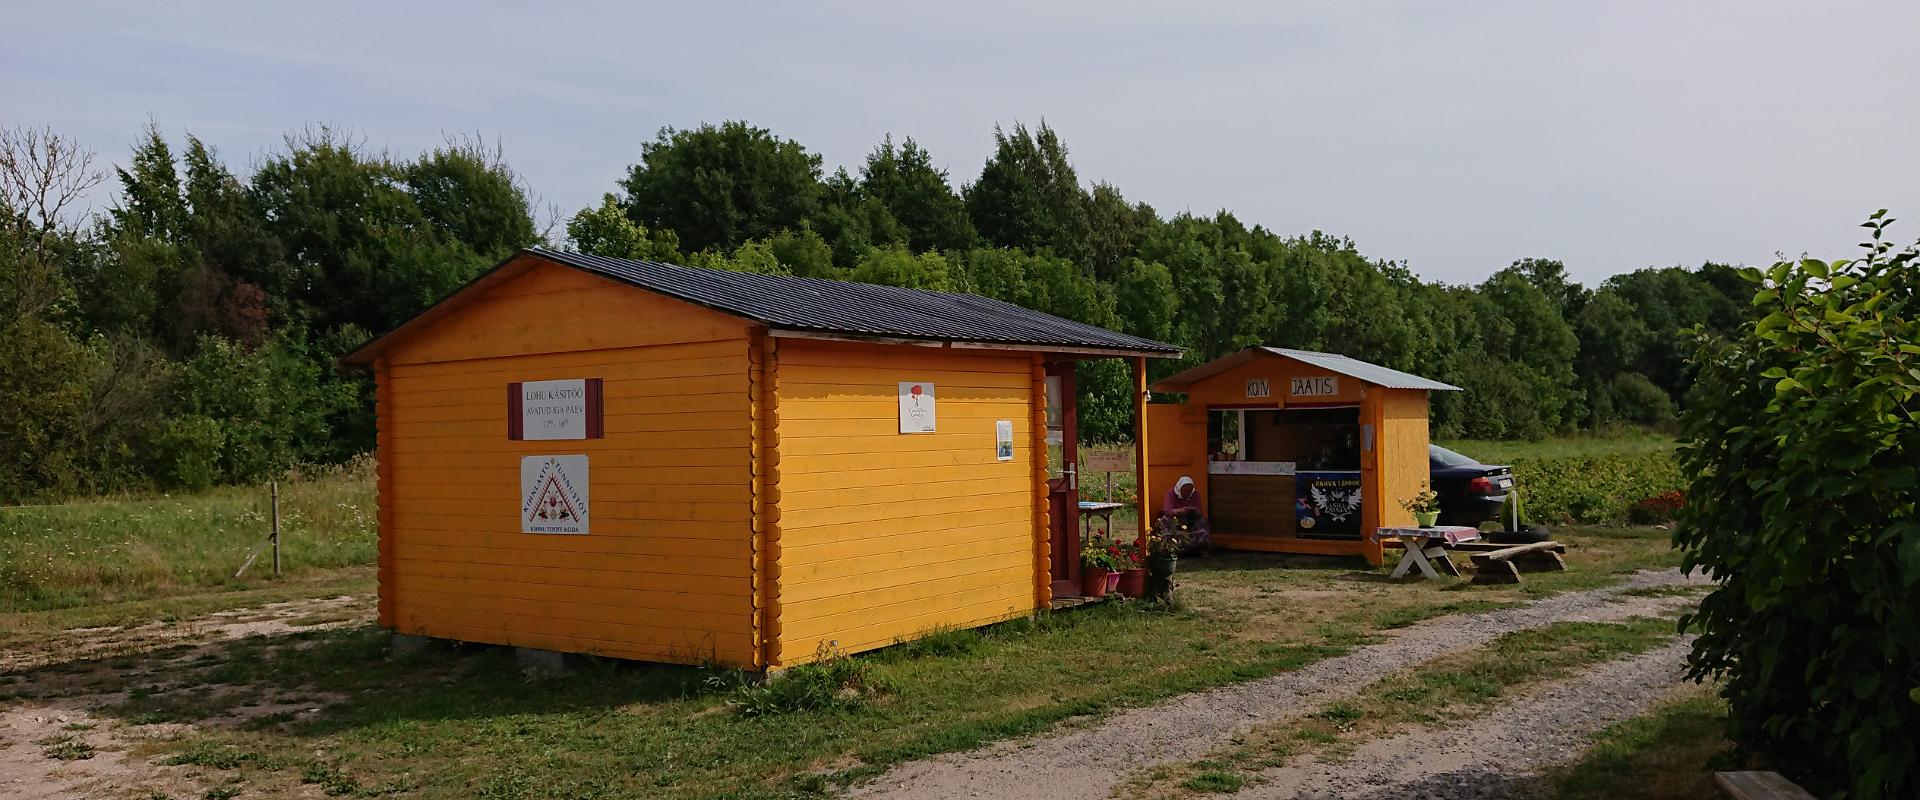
<point x="1003" y="439"/>
<point x="1322" y="386"/>
<point x="553" y="409"/>
<point x="1259" y="387"/>
<point x="916" y="407"/>
<point x="553" y="494"/>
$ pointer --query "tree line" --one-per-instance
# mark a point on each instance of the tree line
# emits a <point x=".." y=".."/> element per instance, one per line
<point x="185" y="336"/>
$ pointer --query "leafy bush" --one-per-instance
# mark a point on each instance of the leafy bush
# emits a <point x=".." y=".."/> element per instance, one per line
<point x="1591" y="489"/>
<point x="1802" y="446"/>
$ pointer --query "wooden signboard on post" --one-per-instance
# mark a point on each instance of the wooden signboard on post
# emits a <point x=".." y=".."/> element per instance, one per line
<point x="1108" y="461"/>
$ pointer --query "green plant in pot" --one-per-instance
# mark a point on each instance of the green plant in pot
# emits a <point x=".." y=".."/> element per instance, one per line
<point x="1098" y="557"/>
<point x="1425" y="505"/>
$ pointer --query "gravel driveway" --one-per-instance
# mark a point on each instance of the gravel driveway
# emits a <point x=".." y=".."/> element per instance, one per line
<point x="1087" y="763"/>
<point x="1494" y="756"/>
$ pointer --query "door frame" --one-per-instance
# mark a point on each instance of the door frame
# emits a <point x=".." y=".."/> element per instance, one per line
<point x="1063" y="493"/>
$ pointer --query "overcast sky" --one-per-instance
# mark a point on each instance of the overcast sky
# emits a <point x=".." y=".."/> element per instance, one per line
<point x="1456" y="136"/>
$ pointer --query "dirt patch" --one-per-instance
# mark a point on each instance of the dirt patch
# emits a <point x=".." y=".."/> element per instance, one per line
<point x="83" y="644"/>
<point x="55" y="740"/>
<point x="1090" y="762"/>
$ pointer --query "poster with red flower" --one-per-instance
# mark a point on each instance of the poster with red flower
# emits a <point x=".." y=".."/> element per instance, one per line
<point x="916" y="407"/>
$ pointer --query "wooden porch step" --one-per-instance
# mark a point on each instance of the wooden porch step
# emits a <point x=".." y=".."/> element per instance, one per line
<point x="1076" y="601"/>
<point x="1759" y="786"/>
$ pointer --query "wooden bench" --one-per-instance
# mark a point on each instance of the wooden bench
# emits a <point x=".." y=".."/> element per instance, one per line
<point x="1504" y="564"/>
<point x="1759" y="786"/>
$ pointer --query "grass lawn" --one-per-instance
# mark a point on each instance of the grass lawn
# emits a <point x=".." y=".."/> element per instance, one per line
<point x="1585" y="445"/>
<point x="122" y="549"/>
<point x="465" y="723"/>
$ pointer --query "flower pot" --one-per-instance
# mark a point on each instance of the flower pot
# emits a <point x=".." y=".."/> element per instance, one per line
<point x="1093" y="582"/>
<point x="1113" y="581"/>
<point x="1133" y="582"/>
<point x="1162" y="566"/>
<point x="1426" y="518"/>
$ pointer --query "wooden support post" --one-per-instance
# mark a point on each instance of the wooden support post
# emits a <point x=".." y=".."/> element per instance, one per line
<point x="276" y="526"/>
<point x="1140" y="502"/>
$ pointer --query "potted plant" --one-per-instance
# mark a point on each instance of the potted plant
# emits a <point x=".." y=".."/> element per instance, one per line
<point x="1097" y="561"/>
<point x="1425" y="506"/>
<point x="1164" y="543"/>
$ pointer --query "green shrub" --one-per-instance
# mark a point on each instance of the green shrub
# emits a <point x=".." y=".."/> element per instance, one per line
<point x="833" y="683"/>
<point x="1595" y="489"/>
<point x="1801" y="442"/>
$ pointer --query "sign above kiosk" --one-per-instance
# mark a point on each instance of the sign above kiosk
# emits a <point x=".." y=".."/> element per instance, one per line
<point x="1314" y="386"/>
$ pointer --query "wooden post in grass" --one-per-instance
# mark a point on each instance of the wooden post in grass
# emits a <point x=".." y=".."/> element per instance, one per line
<point x="275" y="488"/>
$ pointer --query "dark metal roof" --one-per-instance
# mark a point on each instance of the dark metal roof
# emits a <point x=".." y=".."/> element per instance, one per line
<point x="843" y="308"/>
<point x="1332" y="362"/>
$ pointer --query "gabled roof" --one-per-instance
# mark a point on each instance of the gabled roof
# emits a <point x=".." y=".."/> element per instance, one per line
<point x="1332" y="362"/>
<point x="834" y="308"/>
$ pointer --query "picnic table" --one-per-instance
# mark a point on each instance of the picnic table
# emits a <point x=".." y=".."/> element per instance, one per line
<point x="1089" y="510"/>
<point x="1424" y="546"/>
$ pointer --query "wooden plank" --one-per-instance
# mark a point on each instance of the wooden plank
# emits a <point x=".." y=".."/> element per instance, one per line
<point x="1010" y="378"/>
<point x="899" y="605"/>
<point x="821" y="512"/>
<point x="715" y="653"/>
<point x="1759" y="786"/>
<point x="868" y="637"/>
<point x="486" y="485"/>
<point x="799" y="445"/>
<point x="666" y="354"/>
<point x="520" y="622"/>
<point x="606" y="454"/>
<point x="883" y="485"/>
<point x="1510" y="551"/>
<point x="713" y="576"/>
<point x="631" y="545"/>
<point x="494" y="409"/>
<point x="408" y="518"/>
<point x="507" y="510"/>
<point x="671" y="610"/>
<point x="989" y="570"/>
<point x="533" y="557"/>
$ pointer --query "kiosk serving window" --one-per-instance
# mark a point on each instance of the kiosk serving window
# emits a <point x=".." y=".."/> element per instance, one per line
<point x="1285" y="472"/>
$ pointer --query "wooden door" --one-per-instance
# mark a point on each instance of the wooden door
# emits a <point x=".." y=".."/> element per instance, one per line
<point x="1063" y="481"/>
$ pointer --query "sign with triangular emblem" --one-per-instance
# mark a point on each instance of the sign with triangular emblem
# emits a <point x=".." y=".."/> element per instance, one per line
<point x="553" y="494"/>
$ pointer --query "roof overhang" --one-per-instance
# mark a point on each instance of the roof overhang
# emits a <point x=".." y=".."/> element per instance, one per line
<point x="525" y="260"/>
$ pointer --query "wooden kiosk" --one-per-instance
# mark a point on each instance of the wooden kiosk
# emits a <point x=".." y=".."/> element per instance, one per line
<point x="649" y="461"/>
<point x="1293" y="451"/>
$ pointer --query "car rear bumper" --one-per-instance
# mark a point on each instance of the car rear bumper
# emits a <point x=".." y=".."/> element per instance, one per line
<point x="1475" y="509"/>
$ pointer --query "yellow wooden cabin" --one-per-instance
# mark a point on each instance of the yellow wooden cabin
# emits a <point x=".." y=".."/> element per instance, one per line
<point x="656" y="462"/>
<point x="1293" y="451"/>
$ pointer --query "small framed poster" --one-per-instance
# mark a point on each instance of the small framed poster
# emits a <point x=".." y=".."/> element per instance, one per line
<point x="916" y="407"/>
<point x="555" y="410"/>
<point x="1003" y="439"/>
<point x="553" y="494"/>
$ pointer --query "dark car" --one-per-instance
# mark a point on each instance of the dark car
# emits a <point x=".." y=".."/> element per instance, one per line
<point x="1470" y="492"/>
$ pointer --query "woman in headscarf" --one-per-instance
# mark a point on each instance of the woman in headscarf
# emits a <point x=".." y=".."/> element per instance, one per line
<point x="1182" y="503"/>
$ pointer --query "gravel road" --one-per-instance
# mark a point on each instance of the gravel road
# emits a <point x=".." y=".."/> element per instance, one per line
<point x="1087" y="763"/>
<point x="1493" y="756"/>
